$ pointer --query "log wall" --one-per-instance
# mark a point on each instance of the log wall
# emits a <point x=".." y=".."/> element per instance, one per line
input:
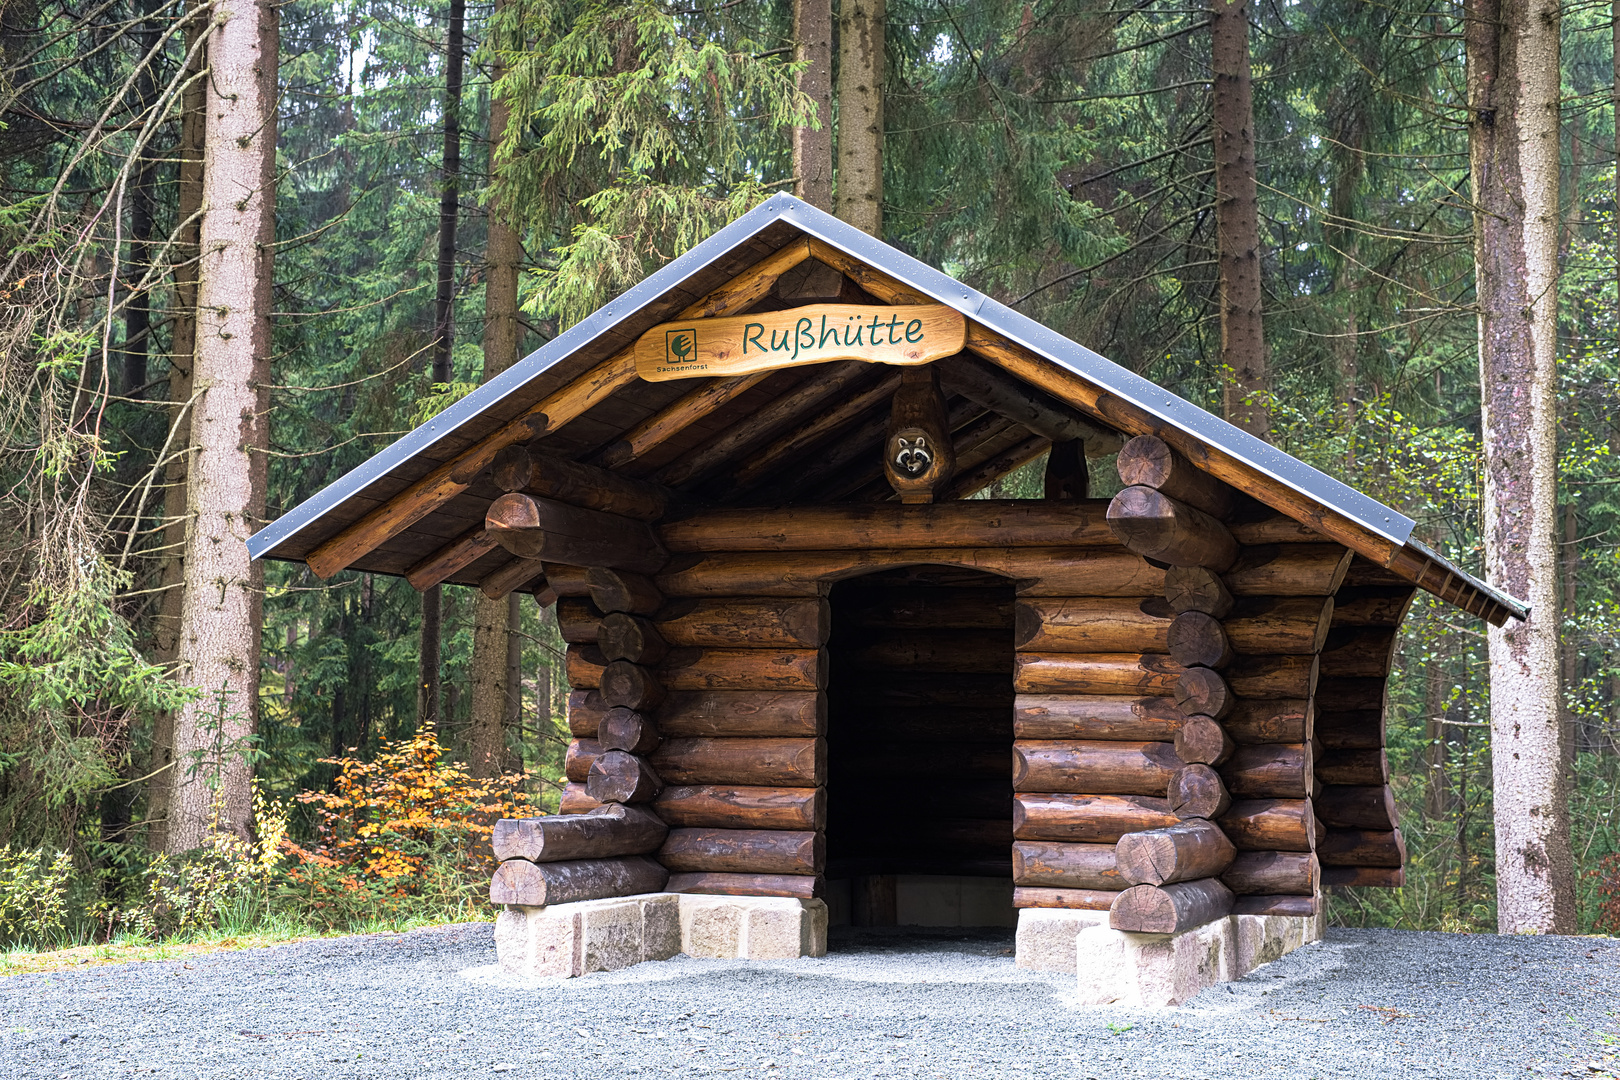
<point x="1021" y="707"/>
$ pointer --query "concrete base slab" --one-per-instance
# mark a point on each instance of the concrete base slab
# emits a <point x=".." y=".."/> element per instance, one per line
<point x="752" y="927"/>
<point x="1114" y="967"/>
<point x="568" y="940"/>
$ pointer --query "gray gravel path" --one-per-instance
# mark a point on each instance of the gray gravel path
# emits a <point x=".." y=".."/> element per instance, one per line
<point x="1364" y="1003"/>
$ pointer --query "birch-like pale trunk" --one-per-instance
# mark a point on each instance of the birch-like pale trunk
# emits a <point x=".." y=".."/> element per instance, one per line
<point x="859" y="188"/>
<point x="1513" y="89"/>
<point x="221" y="614"/>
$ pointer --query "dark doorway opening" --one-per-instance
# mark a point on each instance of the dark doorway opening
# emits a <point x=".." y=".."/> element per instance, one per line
<point x="919" y="745"/>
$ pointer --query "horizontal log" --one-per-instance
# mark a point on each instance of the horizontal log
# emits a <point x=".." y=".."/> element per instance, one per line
<point x="458" y="554"/>
<point x="1291" y="873"/>
<point x="1096" y="673"/>
<point x="1293" y="906"/>
<point x="520" y="882"/>
<point x="1275" y="529"/>
<point x="1372" y="605"/>
<point x="627" y="730"/>
<point x="630" y="685"/>
<point x="1362" y="767"/>
<point x="1269" y="771"/>
<point x="622" y="636"/>
<point x="1362" y="847"/>
<point x="938" y="607"/>
<point x="1093" y="768"/>
<point x="1377" y="877"/>
<point x="1270" y="825"/>
<point x="1170" y="909"/>
<point x="1185" y="852"/>
<point x="732" y="806"/>
<point x="584" y="665"/>
<point x="1149" y="461"/>
<point x="1272" y="676"/>
<point x="747" y="623"/>
<point x="612" y="830"/>
<point x="1359" y="652"/>
<point x="693" y="668"/>
<point x="621" y="590"/>
<point x="1041" y="571"/>
<point x="1288" y="570"/>
<point x="743" y="851"/>
<point x="926" y="649"/>
<point x="1196" y="791"/>
<point x="1351" y="695"/>
<point x="1065" y="866"/>
<point x="1197" y="588"/>
<point x="757" y="762"/>
<point x="618" y="777"/>
<point x="1279" y="625"/>
<point x="585" y="713"/>
<point x="532" y="472"/>
<point x="567" y="580"/>
<point x="1259" y="720"/>
<point x="516" y="574"/>
<point x="801" y="886"/>
<point x="1073" y="899"/>
<point x="578" y="620"/>
<point x="1354" y="807"/>
<point x="1089" y="819"/>
<point x="532" y="528"/>
<point x="743" y="713"/>
<point x="1096" y="717"/>
<point x="574" y="800"/>
<point x="1198" y="640"/>
<point x="1157" y="527"/>
<point x="1199" y="691"/>
<point x="1092" y="625"/>
<point x="1202" y="741"/>
<point x="577" y="761"/>
<point x="965" y="523"/>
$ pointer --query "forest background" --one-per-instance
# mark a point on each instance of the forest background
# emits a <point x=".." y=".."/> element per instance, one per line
<point x="1056" y="154"/>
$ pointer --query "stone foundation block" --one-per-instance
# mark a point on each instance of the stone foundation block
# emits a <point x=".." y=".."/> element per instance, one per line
<point x="752" y="927"/>
<point x="567" y="940"/>
<point x="1046" y="937"/>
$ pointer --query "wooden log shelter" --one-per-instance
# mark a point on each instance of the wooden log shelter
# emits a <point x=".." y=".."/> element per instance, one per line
<point x="808" y="661"/>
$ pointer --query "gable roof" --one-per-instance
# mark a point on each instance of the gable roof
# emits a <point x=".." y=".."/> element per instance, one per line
<point x="1101" y="390"/>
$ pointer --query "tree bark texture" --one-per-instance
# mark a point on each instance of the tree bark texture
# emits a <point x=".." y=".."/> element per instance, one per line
<point x="1513" y="87"/>
<point x="860" y="114"/>
<point x="1237" y="220"/>
<point x="220" y="617"/>
<point x="813" y="147"/>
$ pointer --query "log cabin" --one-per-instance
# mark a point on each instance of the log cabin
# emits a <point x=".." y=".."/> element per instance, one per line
<point x="813" y="673"/>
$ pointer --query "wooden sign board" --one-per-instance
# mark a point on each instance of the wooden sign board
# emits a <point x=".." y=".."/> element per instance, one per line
<point x="814" y="334"/>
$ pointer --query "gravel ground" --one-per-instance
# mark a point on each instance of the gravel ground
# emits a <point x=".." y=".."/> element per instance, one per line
<point x="1364" y="1003"/>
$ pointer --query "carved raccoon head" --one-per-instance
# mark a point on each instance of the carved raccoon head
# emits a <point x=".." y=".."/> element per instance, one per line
<point x="913" y="456"/>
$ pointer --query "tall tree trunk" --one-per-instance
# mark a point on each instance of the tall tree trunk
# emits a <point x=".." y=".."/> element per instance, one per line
<point x="142" y="212"/>
<point x="1437" y="788"/>
<point x="1513" y="90"/>
<point x="221" y="614"/>
<point x="176" y="505"/>
<point x="1237" y="221"/>
<point x="860" y="114"/>
<point x="495" y="622"/>
<point x="812" y="147"/>
<point x="430" y="693"/>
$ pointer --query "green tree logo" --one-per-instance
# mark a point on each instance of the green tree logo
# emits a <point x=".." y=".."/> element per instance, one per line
<point x="680" y="345"/>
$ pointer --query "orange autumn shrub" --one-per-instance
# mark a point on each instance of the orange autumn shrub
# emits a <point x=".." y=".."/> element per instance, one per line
<point x="406" y="833"/>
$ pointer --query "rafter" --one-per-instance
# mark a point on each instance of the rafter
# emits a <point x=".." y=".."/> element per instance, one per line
<point x="567" y="404"/>
<point x="458" y="554"/>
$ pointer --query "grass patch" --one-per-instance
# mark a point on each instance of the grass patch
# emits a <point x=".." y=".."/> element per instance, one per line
<point x="134" y="950"/>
